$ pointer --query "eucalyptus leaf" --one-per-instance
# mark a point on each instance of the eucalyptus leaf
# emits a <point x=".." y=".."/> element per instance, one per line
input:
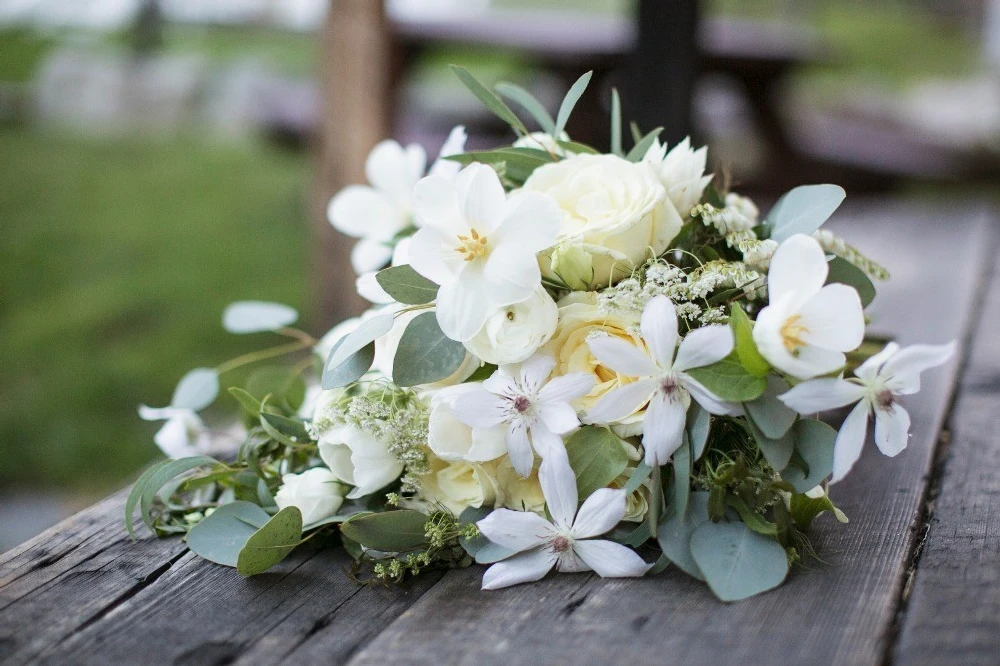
<point x="351" y="369"/>
<point x="489" y="99"/>
<point x="391" y="531"/>
<point x="736" y="561"/>
<point x="406" y="286"/>
<point x="597" y="457"/>
<point x="518" y="163"/>
<point x="517" y="94"/>
<point x="682" y="477"/>
<point x="425" y="354"/>
<point x="221" y="535"/>
<point x="278" y="381"/>
<point x="674" y="534"/>
<point x="286" y="430"/>
<point x="746" y="348"/>
<point x="642" y="145"/>
<point x="272" y="543"/>
<point x="699" y="423"/>
<point x="250" y="404"/>
<point x="151" y="481"/>
<point x="844" y="272"/>
<point x="803" y="210"/>
<point x="769" y="414"/>
<point x="196" y="390"/>
<point x="616" y="123"/>
<point x="729" y="380"/>
<point x="638" y="477"/>
<point x="257" y="317"/>
<point x="814" y="442"/>
<point x="778" y="451"/>
<point x="353" y="354"/>
<point x="569" y="101"/>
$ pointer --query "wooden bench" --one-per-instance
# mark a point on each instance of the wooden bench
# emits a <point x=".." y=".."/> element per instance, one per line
<point x="913" y="579"/>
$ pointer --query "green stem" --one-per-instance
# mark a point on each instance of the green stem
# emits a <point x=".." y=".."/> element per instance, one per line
<point x="261" y="355"/>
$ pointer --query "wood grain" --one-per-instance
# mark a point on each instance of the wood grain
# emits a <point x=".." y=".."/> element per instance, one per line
<point x="953" y="613"/>
<point x="841" y="613"/>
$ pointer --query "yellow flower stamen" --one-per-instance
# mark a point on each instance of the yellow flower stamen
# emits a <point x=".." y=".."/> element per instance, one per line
<point x="472" y="246"/>
<point x="791" y="334"/>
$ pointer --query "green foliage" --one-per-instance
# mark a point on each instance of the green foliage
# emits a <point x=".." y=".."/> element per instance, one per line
<point x="146" y="487"/>
<point x="736" y="561"/>
<point x="616" y="123"/>
<point x="569" y="101"/>
<point x="813" y="458"/>
<point x="425" y="354"/>
<point x="699" y="425"/>
<point x="768" y="413"/>
<point x="513" y="164"/>
<point x="804" y="509"/>
<point x="776" y="451"/>
<point x="278" y="384"/>
<point x="196" y="390"/>
<point x="527" y="101"/>
<point x="803" y="210"/>
<point x="221" y="536"/>
<point x="406" y="285"/>
<point x="674" y="534"/>
<point x="729" y="380"/>
<point x="352" y="356"/>
<point x="271" y="543"/>
<point x="597" y="457"/>
<point x="642" y="145"/>
<point x="746" y="348"/>
<point x="288" y="431"/>
<point x="844" y="272"/>
<point x="489" y="99"/>
<point x="257" y="317"/>
<point x="391" y="531"/>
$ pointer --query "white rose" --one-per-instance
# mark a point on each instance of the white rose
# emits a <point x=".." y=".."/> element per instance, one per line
<point x="615" y="210"/>
<point x="316" y="492"/>
<point x="515" y="332"/>
<point x="451" y="439"/>
<point x="459" y="485"/>
<point x="681" y="171"/>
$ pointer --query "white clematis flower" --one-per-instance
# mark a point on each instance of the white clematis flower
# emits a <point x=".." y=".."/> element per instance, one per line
<point x="478" y="245"/>
<point x="316" y="492"/>
<point x="567" y="542"/>
<point x="877" y="383"/>
<point x="376" y="213"/>
<point x="535" y="412"/>
<point x="663" y="381"/>
<point x="183" y="435"/>
<point x="807" y="326"/>
<point x="681" y="171"/>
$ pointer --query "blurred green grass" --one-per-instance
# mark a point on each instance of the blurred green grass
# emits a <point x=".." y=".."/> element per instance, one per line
<point x="118" y="257"/>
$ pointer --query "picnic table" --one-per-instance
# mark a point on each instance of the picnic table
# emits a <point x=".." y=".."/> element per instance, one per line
<point x="913" y="579"/>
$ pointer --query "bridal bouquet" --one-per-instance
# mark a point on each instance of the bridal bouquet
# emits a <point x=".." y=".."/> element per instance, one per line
<point x="575" y="360"/>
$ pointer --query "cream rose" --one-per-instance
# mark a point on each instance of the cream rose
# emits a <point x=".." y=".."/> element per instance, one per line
<point x="520" y="493"/>
<point x="615" y="210"/>
<point x="515" y="332"/>
<point x="458" y="485"/>
<point x="581" y="316"/>
<point x="316" y="492"/>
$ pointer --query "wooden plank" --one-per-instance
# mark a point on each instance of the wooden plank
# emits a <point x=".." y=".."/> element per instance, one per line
<point x="836" y="614"/>
<point x="67" y="577"/>
<point x="953" y="613"/>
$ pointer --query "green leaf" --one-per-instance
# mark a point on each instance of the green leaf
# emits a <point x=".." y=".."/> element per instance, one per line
<point x="196" y="390"/>
<point x="699" y="423"/>
<point x="151" y="481"/>
<point x="271" y="543"/>
<point x="746" y="348"/>
<point x="518" y="163"/>
<point x="482" y="373"/>
<point x="769" y="414"/>
<point x="280" y="382"/>
<point x="489" y="99"/>
<point x="803" y="210"/>
<point x="729" y="380"/>
<point x="597" y="457"/>
<point x="616" y="123"/>
<point x="221" y="535"/>
<point x="250" y="404"/>
<point x="844" y="272"/>
<point x="637" y="478"/>
<point x="804" y="509"/>
<point x="353" y="354"/>
<point x="577" y="147"/>
<point x="674" y="534"/>
<point x="682" y="477"/>
<point x="736" y="561"/>
<point x="751" y="518"/>
<point x="391" y="531"/>
<point x="286" y="430"/>
<point x="257" y="316"/>
<point x="425" y="354"/>
<point x="778" y="451"/>
<point x="814" y="442"/>
<point x="569" y="101"/>
<point x="406" y="285"/>
<point x="517" y="94"/>
<point x="639" y="149"/>
<point x="481" y="549"/>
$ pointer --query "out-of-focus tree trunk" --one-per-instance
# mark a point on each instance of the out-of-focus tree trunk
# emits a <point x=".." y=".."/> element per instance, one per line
<point x="354" y="74"/>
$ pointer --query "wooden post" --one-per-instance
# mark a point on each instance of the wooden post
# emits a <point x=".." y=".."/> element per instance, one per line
<point x="664" y="67"/>
<point x="354" y="75"/>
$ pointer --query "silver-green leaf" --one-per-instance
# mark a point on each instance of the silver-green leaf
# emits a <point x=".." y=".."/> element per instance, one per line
<point x="736" y="561"/>
<point x="257" y="316"/>
<point x="425" y="354"/>
<point x="196" y="390"/>
<point x="803" y="210"/>
<point x="406" y="285"/>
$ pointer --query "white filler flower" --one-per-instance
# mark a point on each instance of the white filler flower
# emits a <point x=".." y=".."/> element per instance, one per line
<point x="535" y="412"/>
<point x="879" y="381"/>
<point x="316" y="492"/>
<point x="565" y="543"/>
<point x="807" y="326"/>
<point x="478" y="245"/>
<point x="663" y="382"/>
<point x="184" y="434"/>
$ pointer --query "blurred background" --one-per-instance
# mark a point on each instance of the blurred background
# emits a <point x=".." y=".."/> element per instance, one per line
<point x="162" y="158"/>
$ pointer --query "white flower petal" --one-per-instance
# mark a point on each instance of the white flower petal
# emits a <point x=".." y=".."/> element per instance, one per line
<point x="704" y="346"/>
<point x="364" y="212"/>
<point x="558" y="417"/>
<point x="432" y="257"/>
<point x="181" y="436"/>
<point x="611" y="560"/>
<point x="567" y="388"/>
<point x="892" y="429"/>
<point x="659" y="329"/>
<point x="502" y="381"/>
<point x="532" y="221"/>
<point x="662" y="429"/>
<point x="147" y="413"/>
<point x="481" y="197"/>
<point x="487" y="444"/>
<point x="395" y="170"/>
<point x="535" y="371"/>
<point x="818" y="395"/>
<point x="904" y="368"/>
<point x="812" y="361"/>
<point x="833" y="318"/>
<point x="512" y="273"/>
<point x="523" y="568"/>
<point x="600" y="512"/>
<point x="479" y="408"/>
<point x="522" y="459"/>
<point x="798" y="267"/>
<point x="570" y="562"/>
<point x="462" y="305"/>
<point x="869" y="369"/>
<point x="369" y="289"/>
<point x="545" y="442"/>
<point x="620" y="356"/>
<point x="435" y="204"/>
<point x="850" y="441"/>
<point x="711" y="402"/>
<point x="618" y="403"/>
<point x="559" y="489"/>
<point x="516" y="530"/>
<point x="369" y="255"/>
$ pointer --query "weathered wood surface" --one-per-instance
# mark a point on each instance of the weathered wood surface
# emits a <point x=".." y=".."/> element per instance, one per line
<point x="953" y="613"/>
<point x="83" y="593"/>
